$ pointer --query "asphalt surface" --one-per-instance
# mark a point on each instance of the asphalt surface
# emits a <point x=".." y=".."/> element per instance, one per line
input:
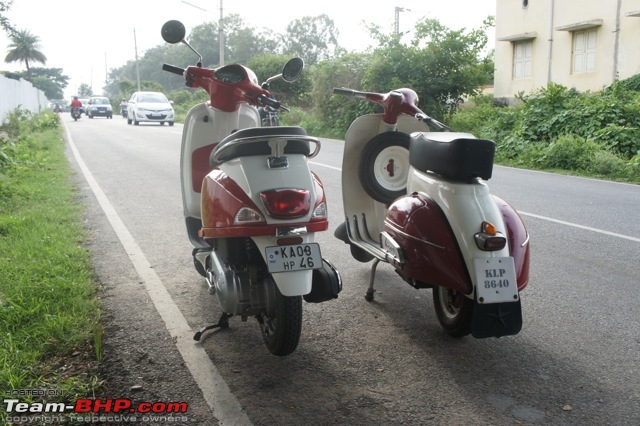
<point x="576" y="361"/>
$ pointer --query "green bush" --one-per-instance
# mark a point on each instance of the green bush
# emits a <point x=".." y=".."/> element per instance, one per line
<point x="621" y="139"/>
<point x="570" y="153"/>
<point x="555" y="127"/>
<point x="606" y="163"/>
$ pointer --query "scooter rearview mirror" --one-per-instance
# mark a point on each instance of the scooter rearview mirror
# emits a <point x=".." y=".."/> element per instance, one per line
<point x="173" y="32"/>
<point x="292" y="70"/>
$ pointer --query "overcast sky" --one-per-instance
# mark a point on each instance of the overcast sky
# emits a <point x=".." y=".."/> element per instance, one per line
<point x="87" y="37"/>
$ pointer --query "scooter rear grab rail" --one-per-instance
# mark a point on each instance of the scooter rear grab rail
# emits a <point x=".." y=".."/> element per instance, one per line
<point x="396" y="102"/>
<point x="218" y="152"/>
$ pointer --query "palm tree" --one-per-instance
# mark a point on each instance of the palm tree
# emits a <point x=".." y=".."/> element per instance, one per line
<point x="24" y="48"/>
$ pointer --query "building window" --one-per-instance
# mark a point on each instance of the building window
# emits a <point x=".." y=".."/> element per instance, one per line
<point x="522" y="59"/>
<point x="584" y="51"/>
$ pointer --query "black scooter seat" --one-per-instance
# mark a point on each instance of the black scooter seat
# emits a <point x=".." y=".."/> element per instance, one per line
<point x="455" y="156"/>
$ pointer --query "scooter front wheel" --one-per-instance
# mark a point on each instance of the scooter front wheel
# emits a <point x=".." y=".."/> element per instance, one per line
<point x="281" y="330"/>
<point x="454" y="311"/>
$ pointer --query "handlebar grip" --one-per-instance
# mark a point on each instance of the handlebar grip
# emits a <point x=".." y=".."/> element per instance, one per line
<point x="269" y="102"/>
<point x="344" y="92"/>
<point x="171" y="68"/>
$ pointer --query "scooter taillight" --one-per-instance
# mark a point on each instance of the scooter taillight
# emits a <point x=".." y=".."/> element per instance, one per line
<point x="287" y="203"/>
<point x="489" y="239"/>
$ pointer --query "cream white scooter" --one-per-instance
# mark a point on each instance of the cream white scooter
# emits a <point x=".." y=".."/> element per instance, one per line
<point x="419" y="201"/>
<point x="251" y="204"/>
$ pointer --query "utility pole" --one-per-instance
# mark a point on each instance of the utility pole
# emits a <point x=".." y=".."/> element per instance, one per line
<point x="135" y="46"/>
<point x="221" y="36"/>
<point x="397" y="20"/>
<point x="220" y="28"/>
<point x="106" y="72"/>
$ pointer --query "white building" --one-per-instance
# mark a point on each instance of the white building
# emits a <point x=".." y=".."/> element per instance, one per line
<point x="582" y="44"/>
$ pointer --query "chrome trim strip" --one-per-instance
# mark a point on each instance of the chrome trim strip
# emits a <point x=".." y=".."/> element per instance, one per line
<point x="291" y="231"/>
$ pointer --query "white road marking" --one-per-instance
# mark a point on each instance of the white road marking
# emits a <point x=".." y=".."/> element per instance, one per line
<point x="225" y="406"/>
<point x="562" y="222"/>
<point x="575" y="225"/>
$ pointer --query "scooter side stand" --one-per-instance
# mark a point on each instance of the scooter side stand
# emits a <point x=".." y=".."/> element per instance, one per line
<point x="371" y="291"/>
<point x="223" y="323"/>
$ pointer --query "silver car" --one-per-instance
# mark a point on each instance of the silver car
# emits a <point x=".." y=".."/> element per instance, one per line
<point x="99" y="106"/>
<point x="149" y="107"/>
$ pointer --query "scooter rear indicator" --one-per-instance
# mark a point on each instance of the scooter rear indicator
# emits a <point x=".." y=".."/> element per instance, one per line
<point x="247" y="215"/>
<point x="489" y="239"/>
<point x="320" y="211"/>
<point x="287" y="203"/>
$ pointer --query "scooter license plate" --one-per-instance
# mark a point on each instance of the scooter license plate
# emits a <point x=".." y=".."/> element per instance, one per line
<point x="496" y="278"/>
<point x="298" y="257"/>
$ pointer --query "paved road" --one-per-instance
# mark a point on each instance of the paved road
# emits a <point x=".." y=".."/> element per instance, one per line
<point x="576" y="361"/>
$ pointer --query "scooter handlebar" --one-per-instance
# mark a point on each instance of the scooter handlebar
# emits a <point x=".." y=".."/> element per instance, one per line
<point x="271" y="103"/>
<point x="344" y="92"/>
<point x="172" y="69"/>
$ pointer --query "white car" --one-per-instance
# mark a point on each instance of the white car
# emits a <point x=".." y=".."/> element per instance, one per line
<point x="99" y="106"/>
<point x="149" y="107"/>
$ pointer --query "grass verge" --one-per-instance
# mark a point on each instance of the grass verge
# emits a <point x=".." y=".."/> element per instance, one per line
<point x="48" y="307"/>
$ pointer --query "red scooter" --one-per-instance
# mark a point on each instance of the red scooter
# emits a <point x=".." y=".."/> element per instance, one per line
<point x="251" y="204"/>
<point x="419" y="200"/>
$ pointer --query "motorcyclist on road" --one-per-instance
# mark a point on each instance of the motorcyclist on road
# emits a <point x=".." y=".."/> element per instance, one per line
<point x="76" y="103"/>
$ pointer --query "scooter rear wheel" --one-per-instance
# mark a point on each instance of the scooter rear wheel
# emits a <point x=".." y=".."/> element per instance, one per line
<point x="454" y="311"/>
<point x="281" y="331"/>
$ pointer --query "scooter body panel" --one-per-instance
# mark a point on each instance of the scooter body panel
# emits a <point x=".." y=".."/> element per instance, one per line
<point x="356" y="200"/>
<point x="465" y="205"/>
<point x="431" y="253"/>
<point x="204" y="128"/>
<point x="237" y="184"/>
<point x="518" y="238"/>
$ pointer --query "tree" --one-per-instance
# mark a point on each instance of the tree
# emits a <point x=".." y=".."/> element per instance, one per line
<point x="313" y="38"/>
<point x="24" y="48"/>
<point x="440" y="64"/>
<point x="84" y="91"/>
<point x="49" y="87"/>
<point x="4" y="21"/>
<point x="53" y="74"/>
<point x="344" y="71"/>
<point x="268" y="65"/>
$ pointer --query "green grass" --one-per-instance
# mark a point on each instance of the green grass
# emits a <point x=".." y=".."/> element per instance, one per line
<point x="48" y="307"/>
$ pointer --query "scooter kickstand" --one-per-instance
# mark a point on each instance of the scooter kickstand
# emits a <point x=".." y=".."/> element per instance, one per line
<point x="223" y="323"/>
<point x="370" y="291"/>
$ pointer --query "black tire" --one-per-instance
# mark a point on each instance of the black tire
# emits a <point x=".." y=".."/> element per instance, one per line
<point x="171" y="123"/>
<point x="162" y="123"/>
<point x="383" y="152"/>
<point x="128" y="120"/>
<point x="135" y="122"/>
<point x="89" y="115"/>
<point x="454" y="311"/>
<point x="281" y="333"/>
